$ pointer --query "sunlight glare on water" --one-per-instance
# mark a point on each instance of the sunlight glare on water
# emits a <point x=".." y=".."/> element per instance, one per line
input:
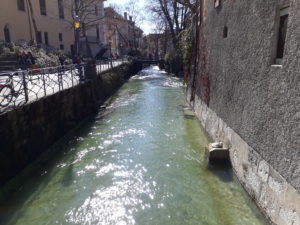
<point x="138" y="161"/>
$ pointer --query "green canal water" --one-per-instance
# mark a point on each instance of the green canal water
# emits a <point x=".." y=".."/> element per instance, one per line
<point x="139" y="161"/>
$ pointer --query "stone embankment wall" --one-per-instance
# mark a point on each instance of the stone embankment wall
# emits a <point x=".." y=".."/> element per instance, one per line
<point x="30" y="130"/>
<point x="252" y="105"/>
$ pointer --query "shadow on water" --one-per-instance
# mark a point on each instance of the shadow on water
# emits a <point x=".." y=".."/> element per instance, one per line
<point x="37" y="175"/>
<point x="68" y="177"/>
<point x="222" y="170"/>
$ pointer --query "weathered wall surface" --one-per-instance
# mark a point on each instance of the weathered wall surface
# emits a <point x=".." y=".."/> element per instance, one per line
<point x="29" y="130"/>
<point x="248" y="97"/>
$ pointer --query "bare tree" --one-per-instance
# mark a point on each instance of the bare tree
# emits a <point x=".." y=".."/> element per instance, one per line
<point x="191" y="5"/>
<point x="174" y="13"/>
<point x="136" y="18"/>
<point x="177" y="16"/>
<point x="127" y="26"/>
<point x="86" y="11"/>
<point x="32" y="20"/>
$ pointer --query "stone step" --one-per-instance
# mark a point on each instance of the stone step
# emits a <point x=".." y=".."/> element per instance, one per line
<point x="8" y="62"/>
<point x="7" y="57"/>
<point x="8" y="68"/>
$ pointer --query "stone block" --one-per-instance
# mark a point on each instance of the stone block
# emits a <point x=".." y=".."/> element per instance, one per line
<point x="263" y="170"/>
<point x="215" y="152"/>
<point x="289" y="216"/>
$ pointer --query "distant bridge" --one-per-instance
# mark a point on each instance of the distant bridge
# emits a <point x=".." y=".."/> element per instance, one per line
<point x="151" y="62"/>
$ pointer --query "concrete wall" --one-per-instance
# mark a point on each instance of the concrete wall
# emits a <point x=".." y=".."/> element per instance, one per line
<point x="30" y="130"/>
<point x="245" y="100"/>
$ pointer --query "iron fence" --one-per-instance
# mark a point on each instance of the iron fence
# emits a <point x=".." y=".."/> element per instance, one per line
<point x="23" y="86"/>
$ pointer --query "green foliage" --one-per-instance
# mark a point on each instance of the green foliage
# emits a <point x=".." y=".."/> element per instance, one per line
<point x="173" y="61"/>
<point x="4" y="50"/>
<point x="43" y="58"/>
<point x="11" y="46"/>
<point x="170" y="55"/>
<point x="17" y="50"/>
<point x="186" y="43"/>
<point x="32" y="43"/>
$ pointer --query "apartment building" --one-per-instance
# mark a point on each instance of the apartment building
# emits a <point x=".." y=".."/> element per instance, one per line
<point x="47" y="22"/>
<point x="121" y="34"/>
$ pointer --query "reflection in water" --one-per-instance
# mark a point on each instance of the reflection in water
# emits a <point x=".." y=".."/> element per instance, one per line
<point x="139" y="161"/>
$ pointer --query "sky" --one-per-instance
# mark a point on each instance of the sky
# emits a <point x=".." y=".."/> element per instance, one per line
<point x="146" y="25"/>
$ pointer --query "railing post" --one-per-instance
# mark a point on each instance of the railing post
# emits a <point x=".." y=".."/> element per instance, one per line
<point x="61" y="77"/>
<point x="25" y="86"/>
<point x="90" y="70"/>
<point x="71" y="69"/>
<point x="44" y="83"/>
<point x="58" y="79"/>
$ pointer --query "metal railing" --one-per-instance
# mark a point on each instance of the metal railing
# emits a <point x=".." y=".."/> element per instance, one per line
<point x="23" y="86"/>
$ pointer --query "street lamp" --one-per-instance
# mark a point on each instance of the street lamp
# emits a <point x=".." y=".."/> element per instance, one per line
<point x="77" y="26"/>
<point x="110" y="52"/>
<point x="77" y="23"/>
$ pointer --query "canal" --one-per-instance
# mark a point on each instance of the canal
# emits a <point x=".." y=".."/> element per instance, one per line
<point x="138" y="161"/>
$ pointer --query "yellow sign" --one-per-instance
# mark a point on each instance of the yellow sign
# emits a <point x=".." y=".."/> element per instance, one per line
<point x="77" y="25"/>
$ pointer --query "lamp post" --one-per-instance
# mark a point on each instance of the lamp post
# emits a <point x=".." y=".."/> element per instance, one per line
<point x="77" y="26"/>
<point x="121" y="52"/>
<point x="110" y="52"/>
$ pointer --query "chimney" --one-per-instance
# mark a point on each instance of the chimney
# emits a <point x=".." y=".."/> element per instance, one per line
<point x="130" y="18"/>
<point x="125" y="15"/>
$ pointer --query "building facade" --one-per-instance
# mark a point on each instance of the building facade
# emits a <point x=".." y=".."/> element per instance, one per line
<point x="50" y="23"/>
<point x="122" y="36"/>
<point x="245" y="89"/>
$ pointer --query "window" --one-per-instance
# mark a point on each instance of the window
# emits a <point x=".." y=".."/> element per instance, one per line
<point x="60" y="37"/>
<point x="61" y="9"/>
<point x="283" y="24"/>
<point x="7" y="34"/>
<point x="217" y="3"/>
<point x="46" y="38"/>
<point x="39" y="37"/>
<point x="61" y="47"/>
<point x="43" y="7"/>
<point x="225" y="32"/>
<point x="21" y="5"/>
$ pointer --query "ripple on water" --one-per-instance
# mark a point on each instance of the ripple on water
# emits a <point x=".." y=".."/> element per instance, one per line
<point x="118" y="137"/>
<point x="118" y="203"/>
<point x="172" y="82"/>
<point x="123" y="101"/>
